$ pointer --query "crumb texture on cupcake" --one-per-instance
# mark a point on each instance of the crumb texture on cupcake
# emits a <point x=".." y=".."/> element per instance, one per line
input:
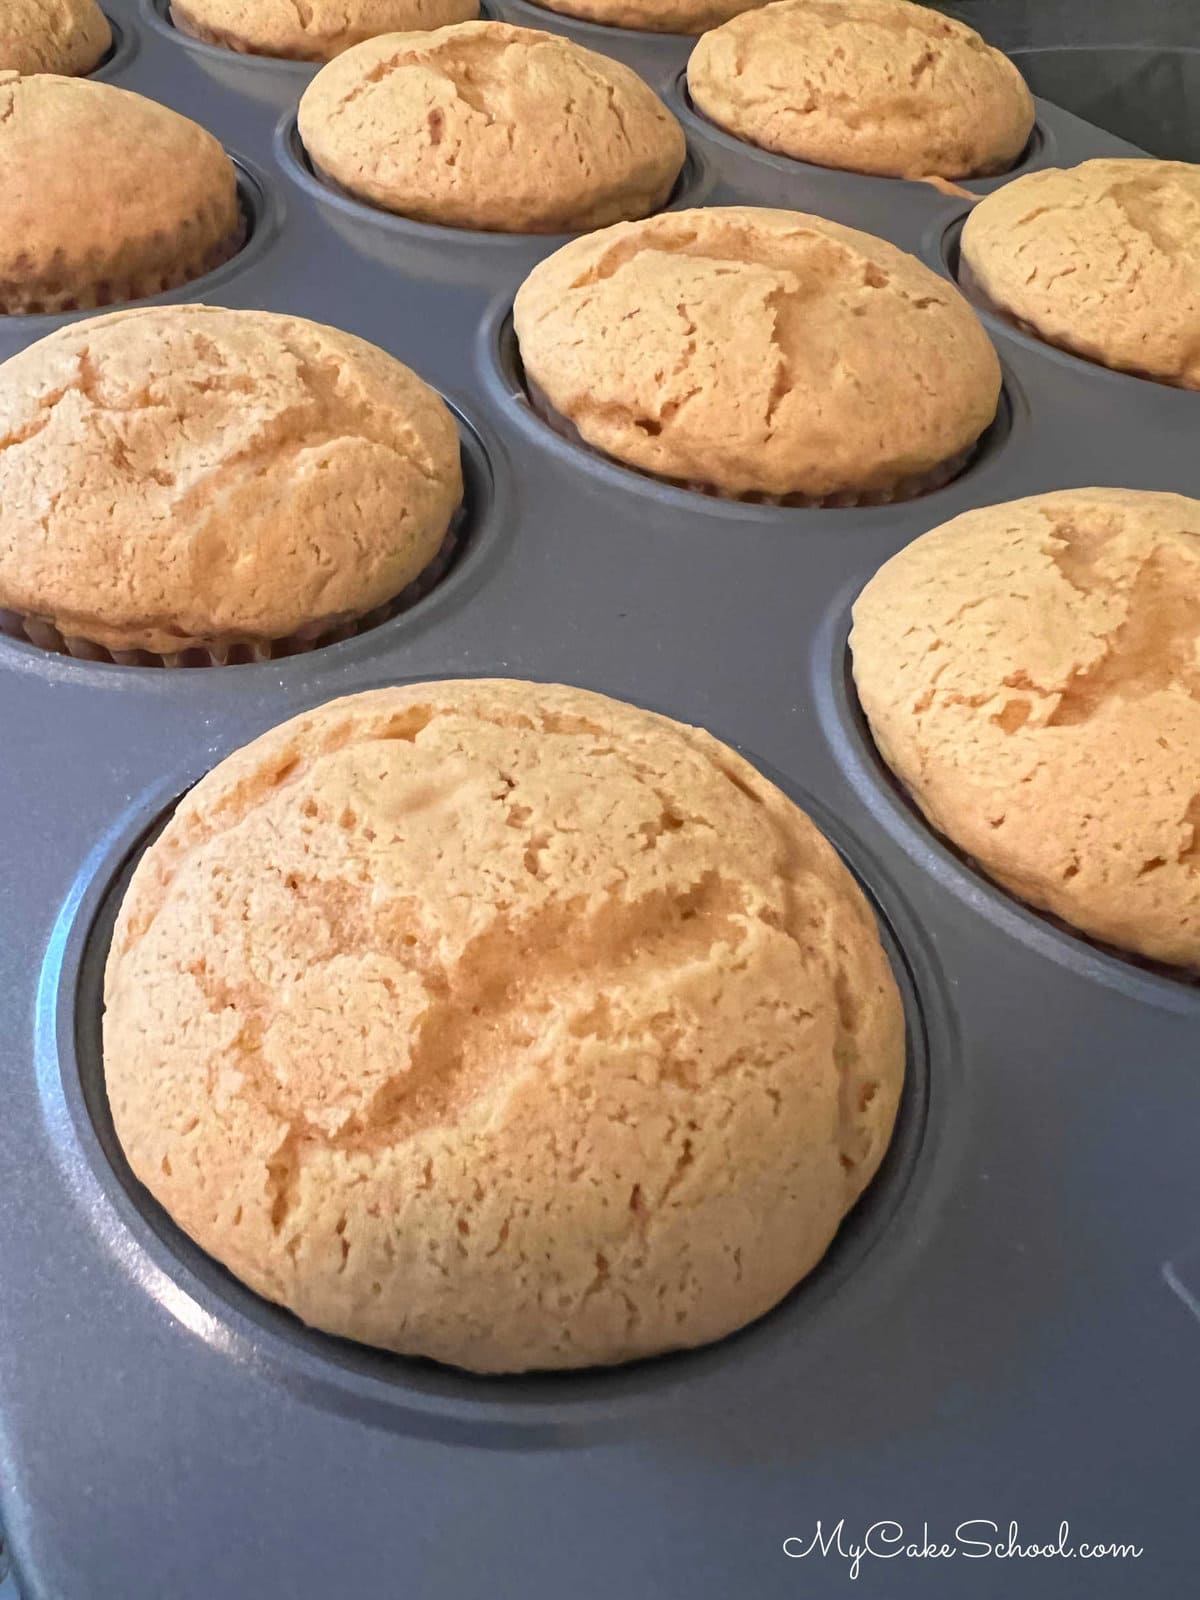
<point x="652" y="16"/>
<point x="105" y="196"/>
<point x="179" y="476"/>
<point x="1102" y="259"/>
<point x="318" y="30"/>
<point x="492" y="127"/>
<point x="70" y="37"/>
<point x="876" y="86"/>
<point x="501" y="1023"/>
<point x="1031" y="672"/>
<point x="757" y="351"/>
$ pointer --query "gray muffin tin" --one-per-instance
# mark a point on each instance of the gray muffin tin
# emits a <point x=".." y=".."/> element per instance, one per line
<point x="1005" y="1328"/>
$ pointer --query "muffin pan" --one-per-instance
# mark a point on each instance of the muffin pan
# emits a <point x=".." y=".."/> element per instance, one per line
<point x="1005" y="1327"/>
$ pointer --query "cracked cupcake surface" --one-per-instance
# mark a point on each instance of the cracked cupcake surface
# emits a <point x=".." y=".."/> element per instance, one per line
<point x="63" y="36"/>
<point x="501" y="1023"/>
<point x="105" y="196"/>
<point x="652" y="16"/>
<point x="182" y="476"/>
<point x="492" y="127"/>
<point x="758" y="352"/>
<point x="1102" y="260"/>
<point x="1031" y="673"/>
<point x="876" y="86"/>
<point x="309" y="30"/>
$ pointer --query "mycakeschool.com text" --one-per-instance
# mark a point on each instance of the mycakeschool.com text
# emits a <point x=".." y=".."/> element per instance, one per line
<point x="976" y="1539"/>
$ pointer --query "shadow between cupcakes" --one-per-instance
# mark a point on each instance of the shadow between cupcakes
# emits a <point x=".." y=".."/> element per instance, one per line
<point x="504" y="374"/>
<point x="849" y="735"/>
<point x="120" y="52"/>
<point x="451" y="255"/>
<point x="419" y="1396"/>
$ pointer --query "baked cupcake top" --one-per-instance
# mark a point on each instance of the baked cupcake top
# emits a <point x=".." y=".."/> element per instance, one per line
<point x="492" y="127"/>
<point x="501" y="1023"/>
<point x="105" y="196"/>
<point x="757" y="351"/>
<point x="1031" y="672"/>
<point x="653" y="16"/>
<point x="182" y="475"/>
<point x="1102" y="259"/>
<point x="316" y="31"/>
<point x="876" y="86"/>
<point x="66" y="36"/>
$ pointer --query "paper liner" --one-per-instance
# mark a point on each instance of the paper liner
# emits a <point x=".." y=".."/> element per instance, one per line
<point x="28" y="298"/>
<point x="241" y="649"/>
<point x="908" y="488"/>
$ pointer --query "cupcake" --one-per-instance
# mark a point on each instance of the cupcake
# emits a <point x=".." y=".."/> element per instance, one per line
<point x="1102" y="260"/>
<point x="876" y="86"/>
<point x="105" y="196"/>
<point x="317" y="31"/>
<point x="758" y="354"/>
<point x="491" y="127"/>
<point x="503" y="1024"/>
<point x="191" y="485"/>
<point x="71" y="37"/>
<point x="1031" y="673"/>
<point x="653" y="16"/>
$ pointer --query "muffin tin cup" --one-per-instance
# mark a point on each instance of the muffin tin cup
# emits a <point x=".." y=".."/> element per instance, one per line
<point x="422" y="1398"/>
<point x="119" y="54"/>
<point x="462" y="256"/>
<point x="1146" y="95"/>
<point x="268" y="80"/>
<point x="1028" y="1247"/>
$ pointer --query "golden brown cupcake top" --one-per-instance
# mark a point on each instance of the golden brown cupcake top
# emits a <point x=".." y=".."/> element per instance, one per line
<point x="104" y="196"/>
<point x="653" y="16"/>
<point x="501" y="1023"/>
<point x="757" y="351"/>
<point x="315" y="31"/>
<point x="878" y="86"/>
<point x="65" y="36"/>
<point x="1102" y="259"/>
<point x="1031" y="672"/>
<point x="183" y="475"/>
<point x="492" y="127"/>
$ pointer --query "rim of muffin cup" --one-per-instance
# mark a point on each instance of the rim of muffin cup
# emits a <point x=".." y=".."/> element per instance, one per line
<point x="691" y="188"/>
<point x="1040" y="148"/>
<point x="848" y="734"/>
<point x="503" y="373"/>
<point x="942" y="250"/>
<point x="120" y="52"/>
<point x="245" y="1325"/>
<point x="470" y="535"/>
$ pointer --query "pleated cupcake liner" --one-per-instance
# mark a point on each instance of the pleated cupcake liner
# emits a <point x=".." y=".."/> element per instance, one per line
<point x="27" y="297"/>
<point x="911" y="487"/>
<point x="236" y="649"/>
